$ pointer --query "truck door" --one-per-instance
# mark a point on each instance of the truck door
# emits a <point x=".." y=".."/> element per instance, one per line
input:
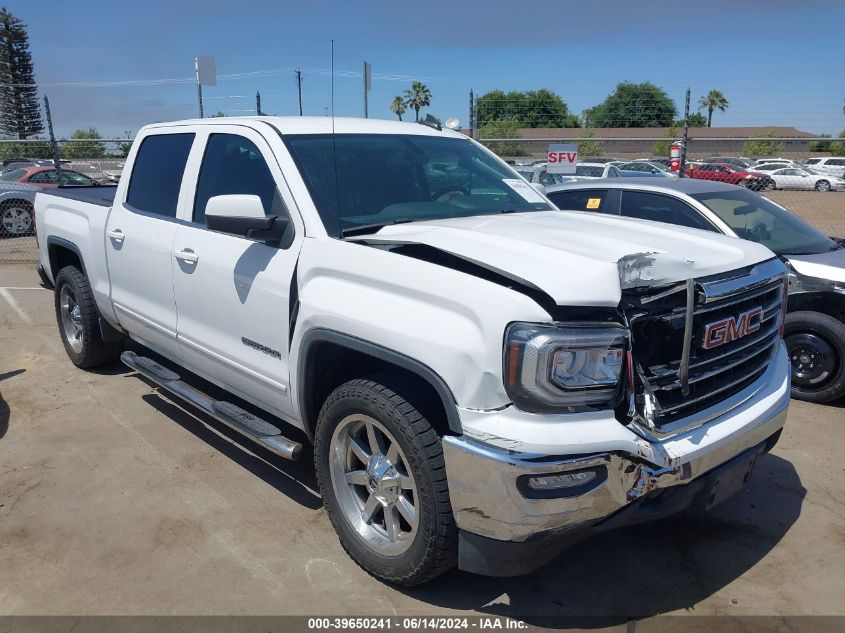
<point x="139" y="241"/>
<point x="233" y="293"/>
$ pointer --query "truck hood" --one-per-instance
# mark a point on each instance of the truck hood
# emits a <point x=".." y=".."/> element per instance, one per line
<point x="579" y="258"/>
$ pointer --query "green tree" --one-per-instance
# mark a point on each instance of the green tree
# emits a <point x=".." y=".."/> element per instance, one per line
<point x="217" y="115"/>
<point x="838" y="147"/>
<point x="589" y="147"/>
<point x="820" y="146"/>
<point x="762" y="145"/>
<point x="20" y="114"/>
<point x="713" y="100"/>
<point x="634" y="105"/>
<point x="696" y="119"/>
<point x="501" y="129"/>
<point x="533" y="108"/>
<point x="417" y="97"/>
<point x="86" y="145"/>
<point x="398" y="106"/>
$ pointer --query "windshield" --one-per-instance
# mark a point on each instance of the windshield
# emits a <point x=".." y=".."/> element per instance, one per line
<point x="390" y="178"/>
<point x="755" y="218"/>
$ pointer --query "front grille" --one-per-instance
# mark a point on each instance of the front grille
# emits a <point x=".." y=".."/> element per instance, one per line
<point x="658" y="323"/>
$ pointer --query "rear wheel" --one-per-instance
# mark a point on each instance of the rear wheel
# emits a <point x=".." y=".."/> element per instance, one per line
<point x="383" y="481"/>
<point x="822" y="185"/>
<point x="816" y="346"/>
<point x="16" y="218"/>
<point x="79" y="321"/>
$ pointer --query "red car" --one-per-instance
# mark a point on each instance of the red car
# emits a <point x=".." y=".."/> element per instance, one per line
<point x="47" y="176"/>
<point x="731" y="175"/>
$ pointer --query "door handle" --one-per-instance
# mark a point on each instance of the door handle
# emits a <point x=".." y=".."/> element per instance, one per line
<point x="116" y="234"/>
<point x="187" y="255"/>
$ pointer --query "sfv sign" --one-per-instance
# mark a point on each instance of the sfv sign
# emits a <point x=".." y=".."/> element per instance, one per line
<point x="562" y="158"/>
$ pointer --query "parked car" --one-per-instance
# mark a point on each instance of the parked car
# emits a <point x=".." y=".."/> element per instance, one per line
<point x="794" y="178"/>
<point x="833" y="165"/>
<point x="815" y="328"/>
<point x="722" y="172"/>
<point x="737" y="162"/>
<point x="599" y="159"/>
<point x="48" y="176"/>
<point x="16" y="209"/>
<point x="483" y="377"/>
<point x="538" y="173"/>
<point x="769" y="167"/>
<point x="588" y="171"/>
<point x="645" y="169"/>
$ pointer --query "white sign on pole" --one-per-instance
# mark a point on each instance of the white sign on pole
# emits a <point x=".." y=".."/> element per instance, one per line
<point x="562" y="158"/>
<point x="206" y="70"/>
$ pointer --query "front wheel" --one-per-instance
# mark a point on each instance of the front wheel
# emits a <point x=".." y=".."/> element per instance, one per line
<point x="383" y="481"/>
<point x="822" y="185"/>
<point x="816" y="346"/>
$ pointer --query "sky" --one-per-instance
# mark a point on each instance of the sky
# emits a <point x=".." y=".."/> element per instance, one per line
<point x="778" y="62"/>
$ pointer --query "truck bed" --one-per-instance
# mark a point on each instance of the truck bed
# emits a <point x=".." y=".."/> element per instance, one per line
<point x="102" y="195"/>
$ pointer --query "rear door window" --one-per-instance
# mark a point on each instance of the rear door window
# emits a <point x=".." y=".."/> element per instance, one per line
<point x="659" y="208"/>
<point x="157" y="173"/>
<point x="583" y="200"/>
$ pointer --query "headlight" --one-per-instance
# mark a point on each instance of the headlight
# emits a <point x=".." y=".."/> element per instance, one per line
<point x="571" y="367"/>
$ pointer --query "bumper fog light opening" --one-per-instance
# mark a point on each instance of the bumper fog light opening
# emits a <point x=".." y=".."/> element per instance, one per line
<point x="561" y="484"/>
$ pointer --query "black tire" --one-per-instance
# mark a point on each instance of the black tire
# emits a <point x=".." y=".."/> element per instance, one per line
<point x="768" y="185"/>
<point x="16" y="218"/>
<point x="822" y="185"/>
<point x="816" y="346"/>
<point x="92" y="350"/>
<point x="433" y="549"/>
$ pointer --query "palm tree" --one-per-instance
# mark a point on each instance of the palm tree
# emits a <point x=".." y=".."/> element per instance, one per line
<point x="398" y="106"/>
<point x="419" y="96"/>
<point x="712" y="100"/>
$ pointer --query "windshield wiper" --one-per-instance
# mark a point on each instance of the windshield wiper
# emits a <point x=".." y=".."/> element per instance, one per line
<point x="366" y="229"/>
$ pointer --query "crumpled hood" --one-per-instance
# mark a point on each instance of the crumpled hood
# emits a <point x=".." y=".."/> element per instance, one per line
<point x="580" y="258"/>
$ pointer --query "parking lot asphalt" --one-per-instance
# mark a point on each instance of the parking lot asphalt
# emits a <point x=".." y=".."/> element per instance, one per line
<point x="116" y="500"/>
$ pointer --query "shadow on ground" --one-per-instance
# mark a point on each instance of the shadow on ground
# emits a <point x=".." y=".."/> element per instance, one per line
<point x="640" y="571"/>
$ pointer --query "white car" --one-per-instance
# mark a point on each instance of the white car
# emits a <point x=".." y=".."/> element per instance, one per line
<point x="833" y="165"/>
<point x="482" y="376"/>
<point x="591" y="171"/>
<point x="794" y="178"/>
<point x="767" y="161"/>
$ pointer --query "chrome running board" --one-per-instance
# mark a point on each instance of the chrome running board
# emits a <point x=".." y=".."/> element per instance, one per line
<point x="249" y="425"/>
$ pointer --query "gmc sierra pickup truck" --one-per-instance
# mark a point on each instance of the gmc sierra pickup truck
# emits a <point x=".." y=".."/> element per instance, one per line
<point x="484" y="379"/>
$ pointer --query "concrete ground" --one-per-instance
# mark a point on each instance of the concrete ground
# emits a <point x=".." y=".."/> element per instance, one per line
<point x="116" y="500"/>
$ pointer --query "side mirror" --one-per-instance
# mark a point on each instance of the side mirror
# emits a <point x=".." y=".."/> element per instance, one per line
<point x="243" y="215"/>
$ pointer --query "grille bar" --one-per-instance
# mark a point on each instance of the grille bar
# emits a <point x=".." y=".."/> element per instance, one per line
<point x="678" y="376"/>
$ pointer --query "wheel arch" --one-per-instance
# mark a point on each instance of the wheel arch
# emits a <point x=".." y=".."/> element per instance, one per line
<point x="61" y="253"/>
<point x="329" y="358"/>
<point x="830" y="303"/>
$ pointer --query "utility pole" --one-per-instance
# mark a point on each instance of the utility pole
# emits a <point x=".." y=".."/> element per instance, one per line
<point x="685" y="137"/>
<point x="298" y="75"/>
<point x="368" y="84"/>
<point x="258" y="103"/>
<point x="57" y="163"/>
<point x="471" y="114"/>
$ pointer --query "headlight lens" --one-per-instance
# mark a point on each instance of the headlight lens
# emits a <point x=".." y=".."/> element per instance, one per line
<point x="550" y="368"/>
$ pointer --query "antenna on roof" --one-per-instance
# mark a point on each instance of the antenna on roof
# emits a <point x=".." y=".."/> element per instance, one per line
<point x="334" y="154"/>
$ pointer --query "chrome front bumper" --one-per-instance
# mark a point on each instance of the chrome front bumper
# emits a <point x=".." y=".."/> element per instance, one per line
<point x="488" y="500"/>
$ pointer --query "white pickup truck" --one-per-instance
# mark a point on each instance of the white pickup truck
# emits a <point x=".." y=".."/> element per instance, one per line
<point x="484" y="379"/>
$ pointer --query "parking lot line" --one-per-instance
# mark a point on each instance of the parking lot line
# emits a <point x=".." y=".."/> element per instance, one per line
<point x="4" y="292"/>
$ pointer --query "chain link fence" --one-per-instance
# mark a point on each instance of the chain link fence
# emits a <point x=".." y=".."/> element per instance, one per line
<point x="28" y="166"/>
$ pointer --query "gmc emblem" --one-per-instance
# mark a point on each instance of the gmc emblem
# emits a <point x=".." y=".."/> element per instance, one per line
<point x="730" y="329"/>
